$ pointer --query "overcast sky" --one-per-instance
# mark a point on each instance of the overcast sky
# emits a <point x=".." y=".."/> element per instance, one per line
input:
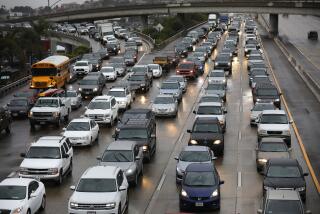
<point x="33" y="3"/>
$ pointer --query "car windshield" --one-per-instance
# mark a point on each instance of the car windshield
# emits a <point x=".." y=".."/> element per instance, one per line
<point x="71" y="94"/>
<point x="81" y="64"/>
<point x="88" y="82"/>
<point x="133" y="134"/>
<point x="267" y="92"/>
<point x="217" y="74"/>
<point x="199" y="179"/>
<point x="117" y="93"/>
<point x="97" y="185"/>
<point x="261" y="79"/>
<point x="216" y="110"/>
<point x="117" y="156"/>
<point x="215" y="87"/>
<point x="154" y="66"/>
<point x="99" y="105"/>
<point x="273" y="147"/>
<point x="178" y="79"/>
<point x="23" y="94"/>
<point x="206" y="127"/>
<point x="12" y="192"/>
<point x="258" y="72"/>
<point x="210" y="99"/>
<point x="255" y="58"/>
<point x="284" y="207"/>
<point x="44" y="152"/>
<point x="17" y="102"/>
<point x="274" y="119"/>
<point x="139" y="69"/>
<point x="107" y="70"/>
<point x="47" y="103"/>
<point x="283" y="172"/>
<point x="164" y="100"/>
<point x="170" y="85"/>
<point x="223" y="57"/>
<point x="195" y="156"/>
<point x="261" y="107"/>
<point x="186" y="66"/>
<point x="136" y="78"/>
<point x="198" y="54"/>
<point x="78" y="126"/>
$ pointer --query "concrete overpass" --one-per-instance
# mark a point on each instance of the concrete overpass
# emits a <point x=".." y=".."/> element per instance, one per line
<point x="303" y="7"/>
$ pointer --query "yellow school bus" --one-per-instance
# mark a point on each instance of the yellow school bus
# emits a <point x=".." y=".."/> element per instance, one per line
<point x="51" y="72"/>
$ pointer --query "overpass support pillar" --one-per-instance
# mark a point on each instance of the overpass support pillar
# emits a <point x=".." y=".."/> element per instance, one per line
<point x="274" y="22"/>
<point x="144" y="20"/>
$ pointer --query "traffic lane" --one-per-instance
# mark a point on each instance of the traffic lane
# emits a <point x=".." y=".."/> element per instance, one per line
<point x="288" y="30"/>
<point x="306" y="114"/>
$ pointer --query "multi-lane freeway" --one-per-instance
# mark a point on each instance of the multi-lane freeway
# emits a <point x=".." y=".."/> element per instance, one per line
<point x="157" y="191"/>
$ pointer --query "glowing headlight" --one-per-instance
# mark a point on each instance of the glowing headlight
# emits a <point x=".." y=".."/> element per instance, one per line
<point x="184" y="193"/>
<point x="217" y="142"/>
<point x="258" y="100"/>
<point x="111" y="205"/>
<point x="262" y="131"/>
<point x="145" y="148"/>
<point x="215" y="63"/>
<point x="215" y="193"/>
<point x="30" y="114"/>
<point x="55" y="114"/>
<point x="262" y="160"/>
<point x="301" y="189"/>
<point x="277" y="100"/>
<point x="95" y="89"/>
<point x="73" y="205"/>
<point x="142" y="84"/>
<point x="229" y="63"/>
<point x="80" y="89"/>
<point x="130" y="171"/>
<point x="193" y="142"/>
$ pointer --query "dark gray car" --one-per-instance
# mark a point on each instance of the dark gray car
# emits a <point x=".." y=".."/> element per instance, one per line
<point x="91" y="86"/>
<point x="19" y="107"/>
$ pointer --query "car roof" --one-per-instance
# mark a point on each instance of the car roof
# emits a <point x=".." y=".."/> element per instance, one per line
<point x="196" y="148"/>
<point x="49" y="141"/>
<point x="283" y="162"/>
<point x="210" y="104"/>
<point x="91" y="77"/>
<point x="274" y="112"/>
<point x="84" y="119"/>
<point x="102" y="98"/>
<point x="100" y="172"/>
<point x="121" y="145"/>
<point x="217" y="71"/>
<point x="210" y="95"/>
<point x="200" y="167"/>
<point x="16" y="182"/>
<point x="282" y="194"/>
<point x="138" y="110"/>
<point x="164" y="95"/>
<point x="119" y="88"/>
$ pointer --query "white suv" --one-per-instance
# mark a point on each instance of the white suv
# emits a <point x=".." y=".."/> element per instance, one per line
<point x="103" y="109"/>
<point x="217" y="76"/>
<point x="22" y="195"/>
<point x="122" y="95"/>
<point x="101" y="189"/>
<point x="274" y="123"/>
<point x="109" y="72"/>
<point x="82" y="67"/>
<point x="48" y="158"/>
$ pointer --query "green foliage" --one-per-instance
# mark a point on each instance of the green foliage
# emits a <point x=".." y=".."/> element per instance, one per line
<point x="79" y="51"/>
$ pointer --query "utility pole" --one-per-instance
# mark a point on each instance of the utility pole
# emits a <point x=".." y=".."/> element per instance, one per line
<point x="48" y="3"/>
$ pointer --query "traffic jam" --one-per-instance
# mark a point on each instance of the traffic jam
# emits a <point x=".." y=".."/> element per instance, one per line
<point x="106" y="87"/>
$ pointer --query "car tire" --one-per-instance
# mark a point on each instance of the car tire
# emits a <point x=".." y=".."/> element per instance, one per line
<point x="136" y="180"/>
<point x="60" y="179"/>
<point x="8" y="129"/>
<point x="32" y="126"/>
<point x="181" y="207"/>
<point x="141" y="171"/>
<point x="58" y="123"/>
<point x="119" y="209"/>
<point x="70" y="167"/>
<point x="66" y="118"/>
<point x="29" y="211"/>
<point x="43" y="203"/>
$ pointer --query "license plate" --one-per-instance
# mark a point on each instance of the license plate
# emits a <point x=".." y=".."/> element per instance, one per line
<point x="199" y="204"/>
<point x="91" y="212"/>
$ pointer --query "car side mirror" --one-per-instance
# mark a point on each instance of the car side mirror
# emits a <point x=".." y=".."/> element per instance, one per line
<point x="189" y="131"/>
<point x="225" y="111"/>
<point x="214" y="158"/>
<point x="289" y="149"/>
<point x="291" y="121"/>
<point x="64" y="129"/>
<point x="137" y="158"/>
<point x="62" y="104"/>
<point x="33" y="195"/>
<point x="122" y="188"/>
<point x="221" y="182"/>
<point x="257" y="121"/>
<point x="176" y="158"/>
<point x="22" y="155"/>
<point x="86" y="108"/>
<point x="305" y="174"/>
<point x="153" y="135"/>
<point x="259" y="211"/>
<point x="99" y="158"/>
<point x="65" y="156"/>
<point x="195" y="112"/>
<point x="72" y="187"/>
<point x="113" y="136"/>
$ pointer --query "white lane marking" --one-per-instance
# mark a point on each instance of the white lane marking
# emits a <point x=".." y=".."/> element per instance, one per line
<point x="12" y="174"/>
<point x="161" y="182"/>
<point x="140" y="58"/>
<point x="239" y="136"/>
<point x="239" y="179"/>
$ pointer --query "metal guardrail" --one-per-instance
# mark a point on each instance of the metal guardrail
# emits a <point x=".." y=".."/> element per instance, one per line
<point x="146" y="38"/>
<point x="74" y="37"/>
<point x="176" y="36"/>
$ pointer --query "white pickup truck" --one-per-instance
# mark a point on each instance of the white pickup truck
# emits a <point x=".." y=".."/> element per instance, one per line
<point x="50" y="110"/>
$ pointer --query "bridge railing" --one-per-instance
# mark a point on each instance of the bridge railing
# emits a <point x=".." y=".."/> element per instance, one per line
<point x="74" y="37"/>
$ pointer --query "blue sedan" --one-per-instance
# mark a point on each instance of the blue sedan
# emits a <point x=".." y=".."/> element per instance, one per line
<point x="200" y="187"/>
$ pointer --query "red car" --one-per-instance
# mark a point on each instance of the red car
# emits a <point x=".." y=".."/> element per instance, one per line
<point x="187" y="69"/>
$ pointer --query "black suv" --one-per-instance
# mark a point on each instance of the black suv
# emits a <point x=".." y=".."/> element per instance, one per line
<point x="5" y="120"/>
<point x="207" y="131"/>
<point x="264" y="92"/>
<point x="112" y="48"/>
<point x="223" y="62"/>
<point x="139" y="82"/>
<point x="143" y="131"/>
<point x="136" y="113"/>
<point x="91" y="86"/>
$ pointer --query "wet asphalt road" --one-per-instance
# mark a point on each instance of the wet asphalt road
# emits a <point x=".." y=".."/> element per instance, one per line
<point x="157" y="191"/>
